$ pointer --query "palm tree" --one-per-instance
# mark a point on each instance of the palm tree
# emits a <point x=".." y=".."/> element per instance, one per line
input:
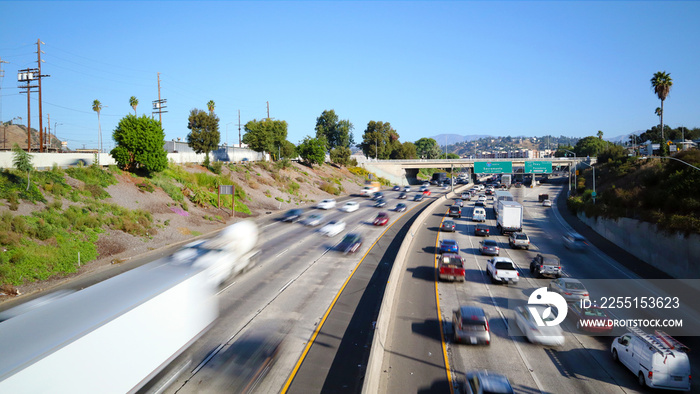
<point x="661" y="82"/>
<point x="97" y="107"/>
<point x="133" y="102"/>
<point x="600" y="135"/>
<point x="211" y="106"/>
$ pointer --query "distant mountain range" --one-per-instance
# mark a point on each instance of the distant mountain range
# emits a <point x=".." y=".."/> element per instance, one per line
<point x="623" y="138"/>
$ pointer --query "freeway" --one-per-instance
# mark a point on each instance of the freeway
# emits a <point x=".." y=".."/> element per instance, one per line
<point x="421" y="327"/>
<point x="287" y="294"/>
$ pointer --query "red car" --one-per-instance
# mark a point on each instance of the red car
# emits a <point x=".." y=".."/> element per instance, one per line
<point x="426" y="192"/>
<point x="381" y="219"/>
<point x="596" y="319"/>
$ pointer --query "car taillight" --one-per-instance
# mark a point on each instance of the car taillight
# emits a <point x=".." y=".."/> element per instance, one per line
<point x="559" y="267"/>
<point x="585" y="294"/>
<point x="650" y="375"/>
<point x="497" y="248"/>
<point x="487" y="325"/>
<point x="567" y="293"/>
<point x="517" y="273"/>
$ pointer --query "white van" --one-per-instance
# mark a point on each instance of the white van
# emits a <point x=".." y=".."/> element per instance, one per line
<point x="658" y="360"/>
<point x="479" y="214"/>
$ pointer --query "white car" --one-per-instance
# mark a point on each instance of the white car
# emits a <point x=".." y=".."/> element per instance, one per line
<point x="328" y="203"/>
<point x="313" y="220"/>
<point x="547" y="203"/>
<point x="546" y="335"/>
<point x="333" y="228"/>
<point x="350" y="206"/>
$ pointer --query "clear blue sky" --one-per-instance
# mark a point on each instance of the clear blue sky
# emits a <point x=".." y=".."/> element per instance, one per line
<point x="500" y="68"/>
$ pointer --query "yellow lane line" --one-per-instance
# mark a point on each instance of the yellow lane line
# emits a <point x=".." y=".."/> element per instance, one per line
<point x="439" y="315"/>
<point x="328" y="312"/>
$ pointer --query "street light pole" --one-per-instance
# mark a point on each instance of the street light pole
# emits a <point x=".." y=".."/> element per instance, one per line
<point x="573" y="153"/>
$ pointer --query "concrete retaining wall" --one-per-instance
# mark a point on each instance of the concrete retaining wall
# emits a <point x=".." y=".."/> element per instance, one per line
<point x="673" y="254"/>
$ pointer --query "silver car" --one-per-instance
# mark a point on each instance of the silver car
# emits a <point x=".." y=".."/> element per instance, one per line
<point x="470" y="325"/>
<point x="545" y="335"/>
<point x="575" y="241"/>
<point x="571" y="289"/>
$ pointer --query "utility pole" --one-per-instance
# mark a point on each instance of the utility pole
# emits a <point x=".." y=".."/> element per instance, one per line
<point x="27" y="76"/>
<point x="239" y="128"/>
<point x="2" y="74"/>
<point x="159" y="105"/>
<point x="41" y="116"/>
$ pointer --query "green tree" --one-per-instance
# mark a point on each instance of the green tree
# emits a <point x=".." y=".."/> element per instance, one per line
<point x="204" y="133"/>
<point x="590" y="146"/>
<point x="336" y="132"/>
<point x="22" y="161"/>
<point x="340" y="155"/>
<point x="210" y="106"/>
<point x="661" y="82"/>
<point x="600" y="134"/>
<point x="133" y="102"/>
<point x="97" y="107"/>
<point x="139" y="144"/>
<point x="265" y="135"/>
<point x="312" y="150"/>
<point x="562" y="151"/>
<point x="427" y="148"/>
<point x="379" y="140"/>
<point x="449" y="156"/>
<point x="288" y="150"/>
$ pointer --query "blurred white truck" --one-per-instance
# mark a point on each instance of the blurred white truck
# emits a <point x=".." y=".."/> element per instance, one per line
<point x="114" y="336"/>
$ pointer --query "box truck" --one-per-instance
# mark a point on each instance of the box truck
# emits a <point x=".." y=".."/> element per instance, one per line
<point x="510" y="217"/>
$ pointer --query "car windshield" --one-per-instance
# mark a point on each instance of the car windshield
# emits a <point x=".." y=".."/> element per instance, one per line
<point x="452" y="260"/>
<point x="520" y="236"/>
<point x="448" y="223"/>
<point x="449" y="242"/>
<point x="574" y="286"/>
<point x="490" y="243"/>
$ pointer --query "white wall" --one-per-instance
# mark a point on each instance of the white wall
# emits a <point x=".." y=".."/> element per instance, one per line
<point x="43" y="161"/>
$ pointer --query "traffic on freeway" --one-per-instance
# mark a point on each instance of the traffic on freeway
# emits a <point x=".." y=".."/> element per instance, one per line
<point x="436" y="346"/>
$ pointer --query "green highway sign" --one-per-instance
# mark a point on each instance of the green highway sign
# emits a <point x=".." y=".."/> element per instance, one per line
<point x="493" y="167"/>
<point x="538" y="167"/>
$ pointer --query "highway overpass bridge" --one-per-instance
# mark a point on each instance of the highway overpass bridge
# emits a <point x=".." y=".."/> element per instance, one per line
<point x="404" y="172"/>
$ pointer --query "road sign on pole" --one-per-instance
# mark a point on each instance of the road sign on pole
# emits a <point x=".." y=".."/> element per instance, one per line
<point x="493" y="167"/>
<point x="538" y="167"/>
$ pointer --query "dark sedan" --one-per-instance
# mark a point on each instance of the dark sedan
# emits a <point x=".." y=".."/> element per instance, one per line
<point x="351" y="243"/>
<point x="448" y="225"/>
<point x="381" y="203"/>
<point x="378" y="196"/>
<point x="292" y="215"/>
<point x="402" y="196"/>
<point x="418" y="197"/>
<point x="481" y="229"/>
<point x="593" y="319"/>
<point x="400" y="207"/>
<point x="489" y="247"/>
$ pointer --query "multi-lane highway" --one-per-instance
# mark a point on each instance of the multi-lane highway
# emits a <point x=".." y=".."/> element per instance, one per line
<point x="295" y="280"/>
<point x="422" y="327"/>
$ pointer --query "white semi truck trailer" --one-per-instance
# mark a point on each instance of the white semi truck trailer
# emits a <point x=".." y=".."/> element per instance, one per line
<point x="114" y="336"/>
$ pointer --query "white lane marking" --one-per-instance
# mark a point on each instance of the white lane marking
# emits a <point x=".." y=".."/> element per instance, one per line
<point x="209" y="357"/>
<point x="225" y="288"/>
<point x="287" y="285"/>
<point x="281" y="253"/>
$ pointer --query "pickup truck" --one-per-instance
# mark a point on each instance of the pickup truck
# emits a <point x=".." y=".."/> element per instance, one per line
<point x="519" y="240"/>
<point x="502" y="270"/>
<point x="451" y="267"/>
